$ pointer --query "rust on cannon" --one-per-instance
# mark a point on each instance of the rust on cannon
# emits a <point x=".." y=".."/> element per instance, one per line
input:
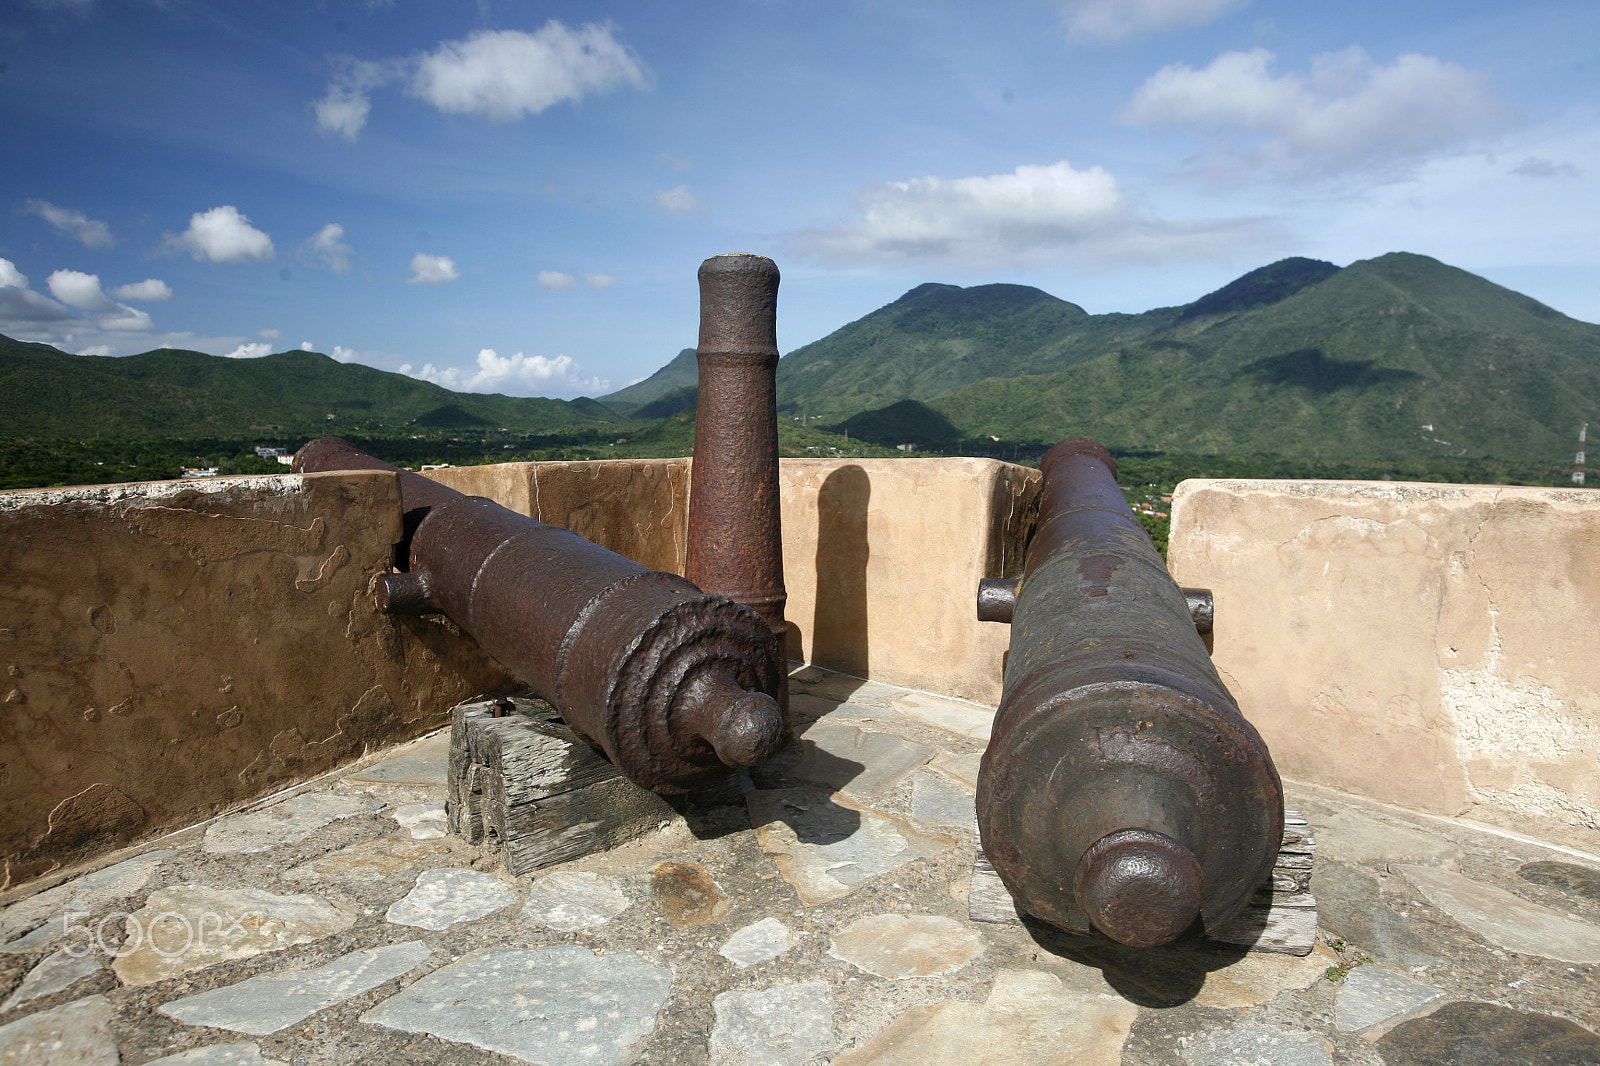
<point x="735" y="544"/>
<point x="676" y="685"/>
<point x="1122" y="790"/>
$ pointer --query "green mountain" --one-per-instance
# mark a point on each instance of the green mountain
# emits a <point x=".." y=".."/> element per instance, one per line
<point x="1395" y="357"/>
<point x="50" y="394"/>
<point x="682" y="372"/>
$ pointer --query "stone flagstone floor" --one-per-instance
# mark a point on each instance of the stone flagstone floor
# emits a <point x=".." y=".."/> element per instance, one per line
<point x="813" y="912"/>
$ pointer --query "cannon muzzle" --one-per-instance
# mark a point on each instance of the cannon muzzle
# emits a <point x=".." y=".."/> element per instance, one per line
<point x="1122" y="791"/>
<point x="675" y="685"/>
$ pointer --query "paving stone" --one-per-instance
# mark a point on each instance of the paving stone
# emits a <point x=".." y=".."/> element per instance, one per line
<point x="1029" y="1020"/>
<point x="370" y="860"/>
<point x="853" y="689"/>
<point x="190" y="927"/>
<point x="1484" y="1034"/>
<point x="426" y="821"/>
<point x="962" y="768"/>
<point x="1569" y="877"/>
<point x="1257" y="1045"/>
<point x="442" y="898"/>
<point x="899" y="946"/>
<point x="1371" y="995"/>
<point x="766" y="939"/>
<point x="827" y="847"/>
<point x="557" y="1006"/>
<point x="265" y="1004"/>
<point x="286" y="822"/>
<point x="1504" y="919"/>
<point x="61" y="970"/>
<point x="1353" y="837"/>
<point x="219" y="1055"/>
<point x="687" y="894"/>
<point x="70" y="1035"/>
<point x="1351" y="904"/>
<point x="787" y="1025"/>
<point x="570" y="900"/>
<point x="937" y="801"/>
<point x="844" y="758"/>
<point x="964" y="718"/>
<point x="44" y="913"/>
<point x="423" y="763"/>
<point x="1258" y="978"/>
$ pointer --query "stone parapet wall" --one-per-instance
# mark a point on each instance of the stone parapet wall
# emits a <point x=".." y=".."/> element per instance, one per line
<point x="1432" y="646"/>
<point x="173" y="649"/>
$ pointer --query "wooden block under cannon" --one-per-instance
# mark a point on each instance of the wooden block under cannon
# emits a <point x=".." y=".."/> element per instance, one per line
<point x="525" y="785"/>
<point x="1281" y="918"/>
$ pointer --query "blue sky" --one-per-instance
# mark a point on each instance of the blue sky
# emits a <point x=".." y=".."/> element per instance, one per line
<point x="515" y="197"/>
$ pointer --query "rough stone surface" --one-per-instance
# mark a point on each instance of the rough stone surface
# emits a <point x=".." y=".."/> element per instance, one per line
<point x="442" y="898"/>
<point x="1030" y="1019"/>
<point x="827" y="847"/>
<point x="219" y="1055"/>
<point x="1353" y="837"/>
<point x="60" y="970"/>
<point x="899" y="946"/>
<point x="1258" y="1045"/>
<point x="570" y="900"/>
<point x="200" y="927"/>
<point x="687" y="894"/>
<point x="786" y="1025"/>
<point x="87" y="893"/>
<point x="1483" y="1034"/>
<point x="1569" y="877"/>
<point x="70" y="1035"/>
<point x="1351" y="904"/>
<point x="422" y="762"/>
<point x="1504" y="919"/>
<point x="964" y="718"/>
<point x="288" y="821"/>
<point x="425" y="821"/>
<point x="1371" y="995"/>
<point x="270" y="1002"/>
<point x="935" y="800"/>
<point x="844" y="758"/>
<point x="1257" y="978"/>
<point x="370" y="860"/>
<point x="766" y="939"/>
<point x="558" y="1006"/>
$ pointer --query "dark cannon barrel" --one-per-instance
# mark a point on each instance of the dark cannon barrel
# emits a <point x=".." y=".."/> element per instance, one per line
<point x="1122" y="791"/>
<point x="675" y="685"/>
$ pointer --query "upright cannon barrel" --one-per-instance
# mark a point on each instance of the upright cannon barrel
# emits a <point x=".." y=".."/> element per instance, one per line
<point x="1122" y="791"/>
<point x="675" y="685"/>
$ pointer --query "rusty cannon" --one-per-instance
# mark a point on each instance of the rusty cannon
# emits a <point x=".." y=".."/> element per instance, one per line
<point x="676" y="686"/>
<point x="1122" y="790"/>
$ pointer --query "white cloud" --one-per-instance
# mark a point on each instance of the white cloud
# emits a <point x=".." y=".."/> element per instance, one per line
<point x="501" y="75"/>
<point x="327" y="248"/>
<point x="305" y="346"/>
<point x="250" y="351"/>
<point x="1536" y="167"/>
<point x="1349" y="112"/>
<point x="75" y="224"/>
<point x="599" y="281"/>
<point x="432" y="269"/>
<point x="555" y="281"/>
<point x="676" y="200"/>
<point x="19" y="303"/>
<point x="343" y="355"/>
<point x="149" y="290"/>
<point x="1101" y="21"/>
<point x="125" y="319"/>
<point x="223" y="235"/>
<point x="95" y="349"/>
<point x="518" y="375"/>
<point x="1033" y="216"/>
<point x="505" y="74"/>
<point x="79" y="290"/>
<point x="270" y="334"/>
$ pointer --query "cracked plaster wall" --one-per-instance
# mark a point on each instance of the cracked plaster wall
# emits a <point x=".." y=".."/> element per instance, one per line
<point x="173" y="649"/>
<point x="1427" y="645"/>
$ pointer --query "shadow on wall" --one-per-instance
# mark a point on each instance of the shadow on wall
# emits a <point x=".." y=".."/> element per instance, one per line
<point x="839" y="624"/>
